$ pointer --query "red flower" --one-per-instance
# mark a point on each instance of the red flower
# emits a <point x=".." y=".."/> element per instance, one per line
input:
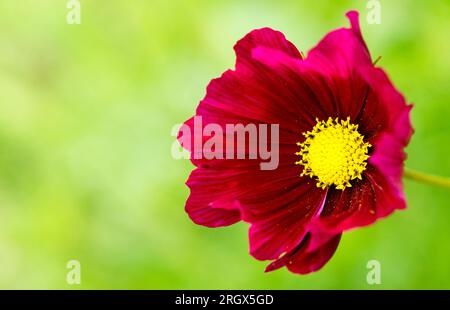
<point x="342" y="130"/>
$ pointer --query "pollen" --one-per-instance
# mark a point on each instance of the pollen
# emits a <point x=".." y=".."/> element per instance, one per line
<point x="334" y="153"/>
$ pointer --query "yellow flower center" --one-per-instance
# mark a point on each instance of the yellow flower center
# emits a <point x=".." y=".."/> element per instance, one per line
<point x="334" y="153"/>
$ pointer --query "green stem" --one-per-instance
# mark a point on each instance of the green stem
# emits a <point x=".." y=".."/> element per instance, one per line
<point x="427" y="178"/>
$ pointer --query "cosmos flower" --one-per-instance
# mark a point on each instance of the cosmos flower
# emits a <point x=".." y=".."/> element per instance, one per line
<point x="342" y="130"/>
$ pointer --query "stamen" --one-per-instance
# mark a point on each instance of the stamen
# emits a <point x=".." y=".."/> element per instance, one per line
<point x="334" y="153"/>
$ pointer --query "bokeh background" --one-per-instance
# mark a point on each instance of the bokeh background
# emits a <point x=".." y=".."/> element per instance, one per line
<point x="86" y="173"/>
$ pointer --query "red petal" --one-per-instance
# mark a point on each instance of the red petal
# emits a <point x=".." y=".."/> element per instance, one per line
<point x="278" y="222"/>
<point x="303" y="261"/>
<point x="338" y="57"/>
<point x="343" y="210"/>
<point x="342" y="50"/>
<point x="261" y="95"/>
<point x="207" y="204"/>
<point x="370" y="199"/>
<point x="314" y="97"/>
<point x="388" y="197"/>
<point x="388" y="156"/>
<point x="216" y="192"/>
<point x="384" y="109"/>
<point x="264" y="37"/>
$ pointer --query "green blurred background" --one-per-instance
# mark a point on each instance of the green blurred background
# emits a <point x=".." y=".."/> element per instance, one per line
<point x="86" y="172"/>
